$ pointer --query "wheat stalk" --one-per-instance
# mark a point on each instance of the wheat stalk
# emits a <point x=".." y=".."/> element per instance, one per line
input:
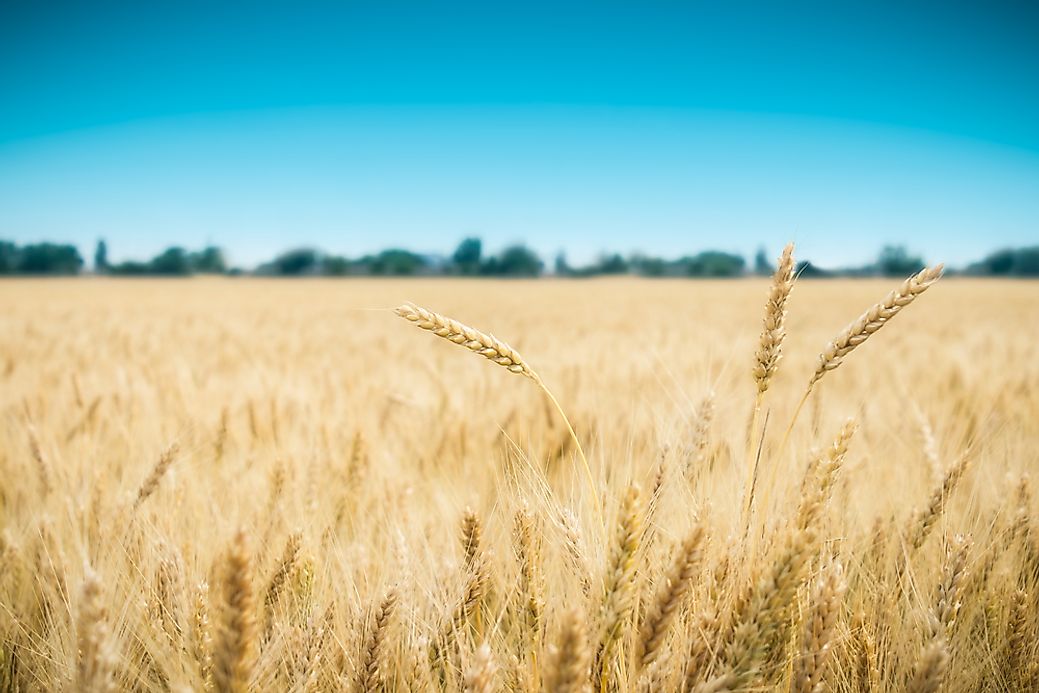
<point x="817" y="637"/>
<point x="499" y="352"/>
<point x="370" y="674"/>
<point x="94" y="671"/>
<point x="568" y="666"/>
<point x="930" y="668"/>
<point x="281" y="573"/>
<point x="158" y="471"/>
<point x="664" y="609"/>
<point x="236" y="638"/>
<point x="478" y="342"/>
<point x="770" y="344"/>
<point x="860" y="330"/>
<point x="619" y="583"/>
<point x="873" y="319"/>
<point x="479" y="678"/>
<point x="924" y="520"/>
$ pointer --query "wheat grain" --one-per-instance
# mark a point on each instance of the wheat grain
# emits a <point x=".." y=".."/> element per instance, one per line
<point x="568" y="666"/>
<point x="873" y="319"/>
<point x="370" y="673"/>
<point x="665" y="607"/>
<point x="485" y="345"/>
<point x="155" y="476"/>
<point x="817" y="635"/>
<point x="94" y="673"/>
<point x="770" y="344"/>
<point x="235" y="647"/>
<point x="619" y="582"/>
<point x="480" y="676"/>
<point x="930" y="669"/>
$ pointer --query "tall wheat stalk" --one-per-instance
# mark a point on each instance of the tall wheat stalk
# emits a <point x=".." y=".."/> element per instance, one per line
<point x="766" y="360"/>
<point x="499" y="352"/>
<point x="862" y="328"/>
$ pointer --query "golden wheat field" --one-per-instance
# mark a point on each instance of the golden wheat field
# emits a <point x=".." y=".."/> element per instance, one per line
<point x="247" y="484"/>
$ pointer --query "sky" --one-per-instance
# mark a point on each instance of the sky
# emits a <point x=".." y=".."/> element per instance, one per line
<point x="660" y="127"/>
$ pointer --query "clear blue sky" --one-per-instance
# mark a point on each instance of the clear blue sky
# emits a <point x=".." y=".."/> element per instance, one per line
<point x="661" y="127"/>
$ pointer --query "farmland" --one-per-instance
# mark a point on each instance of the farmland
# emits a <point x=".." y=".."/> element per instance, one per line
<point x="231" y="484"/>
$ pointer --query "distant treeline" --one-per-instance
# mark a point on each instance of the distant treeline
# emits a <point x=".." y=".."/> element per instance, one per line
<point x="469" y="259"/>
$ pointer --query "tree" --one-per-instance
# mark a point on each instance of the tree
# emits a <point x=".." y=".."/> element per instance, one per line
<point x="514" y="261"/>
<point x="101" y="257"/>
<point x="1008" y="262"/>
<point x="209" y="260"/>
<point x="895" y="261"/>
<point x="49" y="258"/>
<point x="174" y="261"/>
<point x="612" y="264"/>
<point x="1026" y="264"/>
<point x="806" y="270"/>
<point x="466" y="258"/>
<point x="9" y="256"/>
<point x="762" y="266"/>
<point x="562" y="267"/>
<point x="294" y="262"/>
<point x="335" y="265"/>
<point x="713" y="263"/>
<point x="647" y="266"/>
<point x="396" y="262"/>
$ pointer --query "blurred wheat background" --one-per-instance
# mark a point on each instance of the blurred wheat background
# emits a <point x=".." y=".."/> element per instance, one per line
<point x="223" y="484"/>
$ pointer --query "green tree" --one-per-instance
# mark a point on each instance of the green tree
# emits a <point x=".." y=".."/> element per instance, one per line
<point x="172" y="261"/>
<point x="209" y="260"/>
<point x="895" y="261"/>
<point x="294" y="262"/>
<point x="762" y="265"/>
<point x="49" y="258"/>
<point x="466" y="258"/>
<point x="1026" y="263"/>
<point x="612" y="264"/>
<point x="101" y="257"/>
<point x="396" y="262"/>
<point x="9" y="256"/>
<point x="514" y="261"/>
<point x="713" y="263"/>
<point x="335" y="266"/>
<point x="647" y="266"/>
<point x="562" y="267"/>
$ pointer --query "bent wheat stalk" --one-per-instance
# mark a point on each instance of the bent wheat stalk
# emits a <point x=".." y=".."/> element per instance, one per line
<point x="769" y="353"/>
<point x="499" y="352"/>
<point x="859" y="331"/>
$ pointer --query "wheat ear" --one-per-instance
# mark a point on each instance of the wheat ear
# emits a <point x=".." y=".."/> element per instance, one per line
<point x="860" y="330"/>
<point x="236" y="638"/>
<point x="665" y="607"/>
<point x="289" y="558"/>
<point x="930" y="668"/>
<point x="770" y="344"/>
<point x="619" y="585"/>
<point x="370" y="674"/>
<point x="94" y="670"/>
<point x="817" y="636"/>
<point x="499" y="352"/>
<point x="769" y="353"/>
<point x="568" y="667"/>
<point x="479" y="678"/>
<point x="158" y="471"/>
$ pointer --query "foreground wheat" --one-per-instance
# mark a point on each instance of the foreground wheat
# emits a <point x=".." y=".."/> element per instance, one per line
<point x="499" y="352"/>
<point x="766" y="360"/>
<point x="867" y="324"/>
<point x="865" y="570"/>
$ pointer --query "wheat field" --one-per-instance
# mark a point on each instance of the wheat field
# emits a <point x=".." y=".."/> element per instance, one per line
<point x="246" y="484"/>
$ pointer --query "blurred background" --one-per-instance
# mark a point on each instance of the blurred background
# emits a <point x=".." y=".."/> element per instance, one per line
<point x="658" y="138"/>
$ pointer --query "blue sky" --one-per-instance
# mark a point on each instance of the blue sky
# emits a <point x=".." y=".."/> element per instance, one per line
<point x="660" y="127"/>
